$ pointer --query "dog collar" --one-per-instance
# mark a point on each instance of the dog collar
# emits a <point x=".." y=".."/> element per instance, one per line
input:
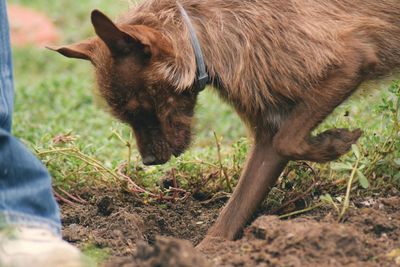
<point x="202" y="76"/>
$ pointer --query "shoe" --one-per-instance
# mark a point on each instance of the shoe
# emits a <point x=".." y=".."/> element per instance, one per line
<point x="34" y="247"/>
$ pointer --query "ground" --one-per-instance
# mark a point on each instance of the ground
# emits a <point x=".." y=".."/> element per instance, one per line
<point x="116" y="214"/>
<point x="120" y="222"/>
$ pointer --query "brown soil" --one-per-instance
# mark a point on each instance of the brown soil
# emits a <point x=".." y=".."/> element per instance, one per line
<point x="117" y="220"/>
<point x="130" y="228"/>
<point x="29" y="27"/>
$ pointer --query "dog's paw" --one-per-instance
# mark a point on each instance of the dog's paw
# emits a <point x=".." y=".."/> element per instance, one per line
<point x="333" y="143"/>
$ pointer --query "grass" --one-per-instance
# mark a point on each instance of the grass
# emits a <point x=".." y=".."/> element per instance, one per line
<point x="56" y="108"/>
<point x="95" y="256"/>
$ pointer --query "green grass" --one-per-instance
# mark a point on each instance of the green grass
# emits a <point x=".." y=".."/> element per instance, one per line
<point x="95" y="256"/>
<point x="56" y="96"/>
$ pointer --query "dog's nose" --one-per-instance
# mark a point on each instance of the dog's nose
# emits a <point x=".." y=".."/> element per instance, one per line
<point x="152" y="160"/>
<point x="149" y="160"/>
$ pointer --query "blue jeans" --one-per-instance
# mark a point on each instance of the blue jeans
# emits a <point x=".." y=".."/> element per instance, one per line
<point x="26" y="196"/>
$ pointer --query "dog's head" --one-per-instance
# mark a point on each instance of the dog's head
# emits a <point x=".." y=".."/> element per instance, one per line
<point x="125" y="58"/>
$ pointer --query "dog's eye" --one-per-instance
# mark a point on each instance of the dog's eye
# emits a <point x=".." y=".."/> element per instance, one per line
<point x="140" y="114"/>
<point x="133" y="112"/>
<point x="189" y="93"/>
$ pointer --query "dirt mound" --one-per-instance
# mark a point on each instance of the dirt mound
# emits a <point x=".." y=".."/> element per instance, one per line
<point x="120" y="232"/>
<point x="301" y="242"/>
<point x="166" y="252"/>
<point x="118" y="221"/>
<point x="365" y="239"/>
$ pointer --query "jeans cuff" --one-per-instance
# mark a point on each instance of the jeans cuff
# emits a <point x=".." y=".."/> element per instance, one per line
<point x="10" y="218"/>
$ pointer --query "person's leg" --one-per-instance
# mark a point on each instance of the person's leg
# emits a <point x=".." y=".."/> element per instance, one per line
<point x="26" y="196"/>
<point x="29" y="217"/>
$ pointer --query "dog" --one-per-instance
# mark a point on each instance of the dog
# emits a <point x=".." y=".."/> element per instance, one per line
<point x="283" y="65"/>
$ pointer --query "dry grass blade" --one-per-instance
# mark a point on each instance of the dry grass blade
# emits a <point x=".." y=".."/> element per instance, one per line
<point x="221" y="166"/>
<point x="74" y="198"/>
<point x="76" y="153"/>
<point x="136" y="188"/>
<point x="62" y="199"/>
<point x="297" y="212"/>
<point x="346" y="203"/>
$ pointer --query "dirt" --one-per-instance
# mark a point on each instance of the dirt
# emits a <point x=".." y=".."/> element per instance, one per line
<point x="117" y="220"/>
<point x="131" y="229"/>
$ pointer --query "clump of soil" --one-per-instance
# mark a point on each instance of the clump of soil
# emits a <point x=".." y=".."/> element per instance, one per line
<point x="118" y="221"/>
<point x="165" y="252"/>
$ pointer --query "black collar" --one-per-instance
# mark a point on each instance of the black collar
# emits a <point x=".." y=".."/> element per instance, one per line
<point x="202" y="76"/>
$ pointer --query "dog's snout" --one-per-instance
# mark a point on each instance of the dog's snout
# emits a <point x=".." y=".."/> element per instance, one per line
<point x="152" y="160"/>
<point x="149" y="160"/>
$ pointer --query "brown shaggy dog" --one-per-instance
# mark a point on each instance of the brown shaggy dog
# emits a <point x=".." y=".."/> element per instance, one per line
<point x="283" y="65"/>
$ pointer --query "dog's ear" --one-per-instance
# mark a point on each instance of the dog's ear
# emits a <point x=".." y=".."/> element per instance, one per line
<point x="144" y="41"/>
<point x="82" y="50"/>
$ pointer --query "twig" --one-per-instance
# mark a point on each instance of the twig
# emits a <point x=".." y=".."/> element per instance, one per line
<point x="81" y="199"/>
<point x="136" y="188"/>
<point x="78" y="171"/>
<point x="63" y="199"/>
<point x="222" y="168"/>
<point x="77" y="199"/>
<point x="300" y="211"/>
<point x="174" y="183"/>
<point x="128" y="145"/>
<point x="217" y="196"/>
<point x="201" y="162"/>
<point x="315" y="175"/>
<point x="348" y="190"/>
<point x="290" y="202"/>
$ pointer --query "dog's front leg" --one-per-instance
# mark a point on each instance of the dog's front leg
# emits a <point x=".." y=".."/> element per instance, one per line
<point x="264" y="165"/>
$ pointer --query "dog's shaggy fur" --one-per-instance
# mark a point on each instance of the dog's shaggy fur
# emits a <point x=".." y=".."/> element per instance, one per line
<point x="283" y="65"/>
<point x="262" y="54"/>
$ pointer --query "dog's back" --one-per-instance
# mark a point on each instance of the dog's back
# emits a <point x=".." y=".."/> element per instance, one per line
<point x="384" y="34"/>
<point x="264" y="51"/>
